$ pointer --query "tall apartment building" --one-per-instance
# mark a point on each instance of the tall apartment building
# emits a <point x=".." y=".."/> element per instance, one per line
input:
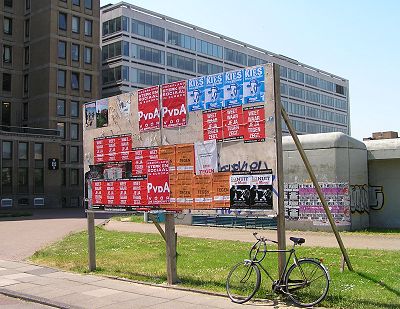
<point x="141" y="48"/>
<point x="50" y="65"/>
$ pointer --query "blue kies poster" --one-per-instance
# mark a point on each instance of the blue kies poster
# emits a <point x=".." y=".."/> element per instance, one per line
<point x="195" y="94"/>
<point x="214" y="91"/>
<point x="233" y="88"/>
<point x="254" y="86"/>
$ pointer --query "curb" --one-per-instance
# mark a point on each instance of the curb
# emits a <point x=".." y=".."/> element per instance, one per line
<point x="36" y="299"/>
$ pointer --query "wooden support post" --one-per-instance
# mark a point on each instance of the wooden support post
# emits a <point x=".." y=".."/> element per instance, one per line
<point x="317" y="187"/>
<point x="158" y="226"/>
<point x="281" y="229"/>
<point x="172" y="276"/>
<point x="91" y="241"/>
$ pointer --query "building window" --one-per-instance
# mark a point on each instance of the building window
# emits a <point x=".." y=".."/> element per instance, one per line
<point x="62" y="49"/>
<point x="88" y="4"/>
<point x="88" y="27"/>
<point x="181" y="62"/>
<point x="76" y="2"/>
<point x="75" y="24"/>
<point x="147" y="30"/>
<point x="25" y="111"/>
<point x="74" y="177"/>
<point x="74" y="109"/>
<point x="60" y="107"/>
<point x="75" y="52"/>
<point x="205" y="68"/>
<point x="7" y="54"/>
<point x="235" y="56"/>
<point x="6" y="82"/>
<point x="61" y="78"/>
<point x="26" y="55"/>
<point x="62" y="153"/>
<point x="6" y="113"/>
<point x="7" y="25"/>
<point x="63" y="177"/>
<point x="87" y="83"/>
<point x="62" y="21"/>
<point x="39" y="180"/>
<point x="61" y="129"/>
<point x="38" y="151"/>
<point x="23" y="151"/>
<point x="208" y="48"/>
<point x="6" y="179"/>
<point x="23" y="179"/>
<point x="74" y="81"/>
<point x="7" y="150"/>
<point x="88" y="55"/>
<point x="181" y="40"/>
<point x="145" y="53"/>
<point x="26" y="83"/>
<point x="27" y="28"/>
<point x="138" y="76"/>
<point x="74" y="131"/>
<point x="74" y="154"/>
<point x="8" y="3"/>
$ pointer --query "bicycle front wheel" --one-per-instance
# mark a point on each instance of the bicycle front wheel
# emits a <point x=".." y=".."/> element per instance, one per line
<point x="307" y="283"/>
<point x="243" y="282"/>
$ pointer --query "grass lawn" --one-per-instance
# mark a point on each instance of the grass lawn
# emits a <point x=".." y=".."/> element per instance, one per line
<point x="204" y="264"/>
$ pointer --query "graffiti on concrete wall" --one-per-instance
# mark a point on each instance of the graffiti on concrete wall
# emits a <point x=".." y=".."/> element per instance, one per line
<point x="363" y="198"/>
<point x="359" y="198"/>
<point x="244" y="166"/>
<point x="376" y="197"/>
<point x="302" y="202"/>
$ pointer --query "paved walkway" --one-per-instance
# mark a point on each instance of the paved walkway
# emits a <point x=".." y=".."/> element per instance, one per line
<point x="20" y="237"/>
<point x="313" y="239"/>
<point x="66" y="290"/>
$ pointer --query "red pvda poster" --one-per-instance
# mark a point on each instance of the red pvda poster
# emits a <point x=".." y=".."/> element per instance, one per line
<point x="174" y="110"/>
<point x="149" y="109"/>
<point x="158" y="187"/>
<point x="233" y="127"/>
<point x="254" y="119"/>
<point x="212" y="125"/>
<point x="112" y="148"/>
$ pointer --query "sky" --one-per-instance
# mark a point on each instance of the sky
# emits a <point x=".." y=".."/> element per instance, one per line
<point x="357" y="40"/>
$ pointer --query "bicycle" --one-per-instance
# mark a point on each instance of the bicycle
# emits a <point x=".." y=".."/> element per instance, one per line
<point x="305" y="282"/>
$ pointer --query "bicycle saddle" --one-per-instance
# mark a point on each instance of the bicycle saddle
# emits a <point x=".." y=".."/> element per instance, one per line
<point x="297" y="241"/>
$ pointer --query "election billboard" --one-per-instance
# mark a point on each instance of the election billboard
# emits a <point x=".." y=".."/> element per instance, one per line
<point x="201" y="144"/>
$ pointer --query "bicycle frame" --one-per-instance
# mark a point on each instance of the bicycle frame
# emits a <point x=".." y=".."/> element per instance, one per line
<point x="280" y="281"/>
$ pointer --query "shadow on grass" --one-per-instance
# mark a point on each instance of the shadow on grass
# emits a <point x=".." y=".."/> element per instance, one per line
<point x="381" y="283"/>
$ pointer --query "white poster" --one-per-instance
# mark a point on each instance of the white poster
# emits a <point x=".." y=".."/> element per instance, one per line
<point x="206" y="155"/>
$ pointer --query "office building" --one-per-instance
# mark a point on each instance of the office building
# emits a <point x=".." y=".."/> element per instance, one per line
<point x="50" y="65"/>
<point x="141" y="48"/>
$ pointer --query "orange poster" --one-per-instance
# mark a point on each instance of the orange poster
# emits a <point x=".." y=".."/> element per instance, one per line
<point x="173" y="192"/>
<point x="221" y="189"/>
<point x="184" y="194"/>
<point x="203" y="197"/>
<point x="168" y="153"/>
<point x="185" y="157"/>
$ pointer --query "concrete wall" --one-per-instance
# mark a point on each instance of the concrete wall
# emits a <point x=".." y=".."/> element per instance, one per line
<point x="384" y="182"/>
<point x="337" y="159"/>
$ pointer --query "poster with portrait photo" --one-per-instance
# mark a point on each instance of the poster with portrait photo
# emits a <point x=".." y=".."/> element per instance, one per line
<point x="240" y="191"/>
<point x="102" y="113"/>
<point x="90" y="115"/>
<point x="261" y="191"/>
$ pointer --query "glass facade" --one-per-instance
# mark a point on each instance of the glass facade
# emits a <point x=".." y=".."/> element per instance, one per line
<point x="315" y="97"/>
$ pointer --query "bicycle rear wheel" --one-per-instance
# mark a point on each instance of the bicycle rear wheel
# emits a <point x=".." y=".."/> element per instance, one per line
<point x="307" y="283"/>
<point x="243" y="282"/>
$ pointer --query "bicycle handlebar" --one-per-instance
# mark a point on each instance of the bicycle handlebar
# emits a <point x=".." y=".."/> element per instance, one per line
<point x="263" y="238"/>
